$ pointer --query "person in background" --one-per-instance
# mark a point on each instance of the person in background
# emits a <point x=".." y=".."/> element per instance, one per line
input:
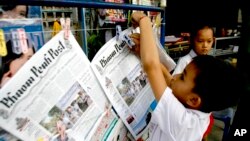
<point x="201" y="42"/>
<point x="14" y="12"/>
<point x="13" y="62"/>
<point x="186" y="100"/>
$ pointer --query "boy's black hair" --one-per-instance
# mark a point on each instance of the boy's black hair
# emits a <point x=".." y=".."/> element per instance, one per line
<point x="218" y="83"/>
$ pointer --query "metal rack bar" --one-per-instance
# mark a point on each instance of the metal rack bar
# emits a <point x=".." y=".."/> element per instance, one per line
<point x="86" y="4"/>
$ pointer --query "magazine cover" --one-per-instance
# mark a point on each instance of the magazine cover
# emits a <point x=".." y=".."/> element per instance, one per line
<point x="115" y="15"/>
<point x="13" y="17"/>
<point x="30" y="22"/>
<point x="22" y="16"/>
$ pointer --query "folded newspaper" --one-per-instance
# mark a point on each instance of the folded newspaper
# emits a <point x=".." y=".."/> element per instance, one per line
<point x="60" y="95"/>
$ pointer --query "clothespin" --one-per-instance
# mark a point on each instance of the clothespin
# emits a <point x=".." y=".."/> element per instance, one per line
<point x="66" y="27"/>
<point x="16" y="48"/>
<point x="3" y="49"/>
<point x="125" y="37"/>
<point x="158" y="20"/>
<point x="118" y="32"/>
<point x="128" y="40"/>
<point x="23" y="40"/>
<point x="157" y="24"/>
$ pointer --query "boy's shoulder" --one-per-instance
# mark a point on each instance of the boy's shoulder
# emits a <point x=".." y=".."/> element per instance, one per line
<point x="184" y="59"/>
<point x="188" y="57"/>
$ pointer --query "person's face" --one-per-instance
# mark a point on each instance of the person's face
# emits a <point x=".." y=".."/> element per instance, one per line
<point x="16" y="64"/>
<point x="182" y="84"/>
<point x="203" y="41"/>
<point x="69" y="110"/>
<point x="20" y="10"/>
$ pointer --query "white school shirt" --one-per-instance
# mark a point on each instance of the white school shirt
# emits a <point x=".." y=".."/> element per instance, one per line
<point x="171" y="121"/>
<point x="183" y="62"/>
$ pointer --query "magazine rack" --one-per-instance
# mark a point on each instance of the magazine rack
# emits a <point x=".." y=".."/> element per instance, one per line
<point x="95" y="4"/>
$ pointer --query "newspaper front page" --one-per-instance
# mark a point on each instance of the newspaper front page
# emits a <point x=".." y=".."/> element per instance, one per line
<point x="54" y="96"/>
<point x="125" y="83"/>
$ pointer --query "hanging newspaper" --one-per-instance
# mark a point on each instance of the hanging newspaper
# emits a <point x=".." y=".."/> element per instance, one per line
<point x="125" y="83"/>
<point x="60" y="94"/>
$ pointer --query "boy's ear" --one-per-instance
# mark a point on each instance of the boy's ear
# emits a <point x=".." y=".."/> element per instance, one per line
<point x="193" y="101"/>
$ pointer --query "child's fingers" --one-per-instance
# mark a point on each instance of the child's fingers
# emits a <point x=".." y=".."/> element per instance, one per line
<point x="134" y="24"/>
<point x="136" y="41"/>
<point x="136" y="48"/>
<point x="135" y="36"/>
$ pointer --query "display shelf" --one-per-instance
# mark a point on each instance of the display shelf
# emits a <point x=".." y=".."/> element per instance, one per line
<point x="51" y="14"/>
<point x="82" y="4"/>
<point x="96" y="4"/>
<point x="177" y="49"/>
<point x="226" y="45"/>
<point x="56" y="10"/>
<point x="219" y="52"/>
<point x="227" y="38"/>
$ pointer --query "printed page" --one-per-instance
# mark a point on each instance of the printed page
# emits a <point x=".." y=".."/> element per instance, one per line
<point x="120" y="73"/>
<point x="165" y="59"/>
<point x="54" y="96"/>
<point x="105" y="126"/>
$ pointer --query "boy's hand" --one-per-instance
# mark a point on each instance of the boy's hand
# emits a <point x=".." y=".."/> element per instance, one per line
<point x="136" y="48"/>
<point x="136" y="17"/>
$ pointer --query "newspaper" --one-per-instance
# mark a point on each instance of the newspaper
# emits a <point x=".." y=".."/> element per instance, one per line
<point x="32" y="25"/>
<point x="54" y="96"/>
<point x="125" y="83"/>
<point x="60" y="95"/>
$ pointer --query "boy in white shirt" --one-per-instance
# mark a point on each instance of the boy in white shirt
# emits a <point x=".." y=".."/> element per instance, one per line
<point x="185" y="101"/>
<point x="201" y="42"/>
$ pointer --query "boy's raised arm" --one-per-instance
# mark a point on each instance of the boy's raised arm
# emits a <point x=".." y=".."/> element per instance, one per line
<point x="149" y="54"/>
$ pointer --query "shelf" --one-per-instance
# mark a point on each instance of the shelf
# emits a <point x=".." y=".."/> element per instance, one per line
<point x="88" y="4"/>
<point x="226" y="46"/>
<point x="94" y="4"/>
<point x="56" y="10"/>
<point x="177" y="43"/>
<point x="225" y="53"/>
<point x="229" y="37"/>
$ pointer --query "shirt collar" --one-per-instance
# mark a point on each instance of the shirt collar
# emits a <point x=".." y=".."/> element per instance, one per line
<point x="192" y="53"/>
